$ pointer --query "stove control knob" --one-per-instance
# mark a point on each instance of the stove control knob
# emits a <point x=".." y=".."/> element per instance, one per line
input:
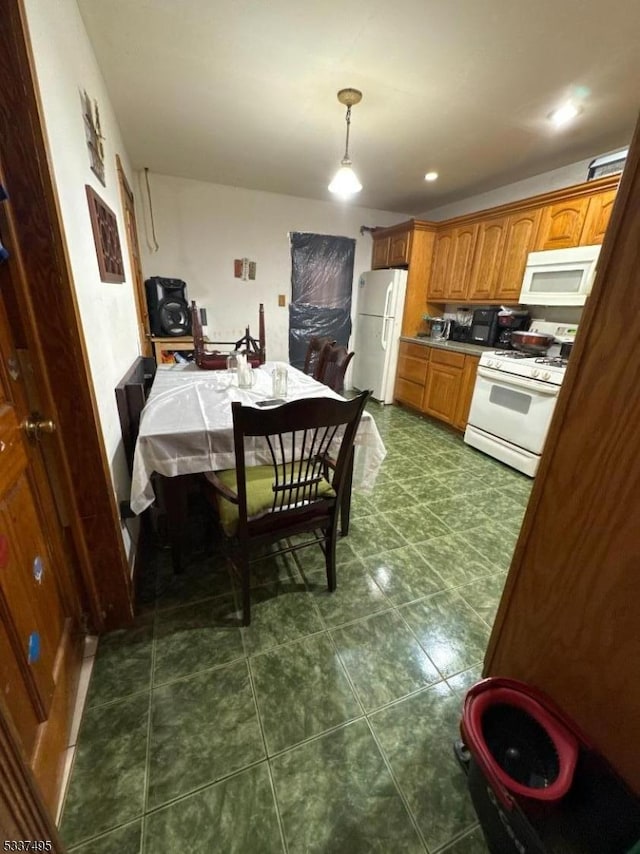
<point x="546" y="375"/>
<point x="498" y="366"/>
<point x="535" y="372"/>
<point x="490" y="362"/>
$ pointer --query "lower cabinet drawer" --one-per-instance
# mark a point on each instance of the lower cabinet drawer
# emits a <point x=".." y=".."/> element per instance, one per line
<point x="417" y="351"/>
<point x="446" y="357"/>
<point x="412" y="369"/>
<point x="409" y="392"/>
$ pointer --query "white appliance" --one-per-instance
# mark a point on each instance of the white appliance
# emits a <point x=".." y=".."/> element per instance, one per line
<point x="559" y="276"/>
<point x="514" y="398"/>
<point x="380" y="306"/>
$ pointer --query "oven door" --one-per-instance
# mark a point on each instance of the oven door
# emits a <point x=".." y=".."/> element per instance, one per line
<point x="516" y="409"/>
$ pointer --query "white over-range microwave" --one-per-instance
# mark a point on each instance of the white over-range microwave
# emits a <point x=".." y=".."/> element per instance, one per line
<point x="559" y="276"/>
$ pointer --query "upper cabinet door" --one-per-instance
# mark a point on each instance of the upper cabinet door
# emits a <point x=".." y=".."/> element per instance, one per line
<point x="562" y="224"/>
<point x="520" y="239"/>
<point x="464" y="240"/>
<point x="598" y="216"/>
<point x="380" y="254"/>
<point x="483" y="281"/>
<point x="399" y="248"/>
<point x="440" y="267"/>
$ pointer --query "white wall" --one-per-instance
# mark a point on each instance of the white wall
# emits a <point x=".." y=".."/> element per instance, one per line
<point x="65" y="66"/>
<point x="545" y="182"/>
<point x="202" y="227"/>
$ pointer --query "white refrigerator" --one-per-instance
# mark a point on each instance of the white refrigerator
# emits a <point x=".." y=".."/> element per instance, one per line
<point x="379" y="307"/>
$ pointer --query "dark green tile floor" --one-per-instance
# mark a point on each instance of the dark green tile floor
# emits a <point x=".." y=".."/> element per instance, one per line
<point x="327" y="725"/>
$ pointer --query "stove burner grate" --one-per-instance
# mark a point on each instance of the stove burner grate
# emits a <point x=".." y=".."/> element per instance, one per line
<point x="553" y="362"/>
<point x="512" y="354"/>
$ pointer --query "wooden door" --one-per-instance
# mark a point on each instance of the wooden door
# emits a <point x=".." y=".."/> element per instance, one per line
<point x="562" y="224"/>
<point x="483" y="280"/>
<point x="40" y="653"/>
<point x="440" y="266"/>
<point x="128" y="209"/>
<point x="520" y="239"/>
<point x="464" y="241"/>
<point x="568" y="620"/>
<point x="380" y="255"/>
<point x="598" y="216"/>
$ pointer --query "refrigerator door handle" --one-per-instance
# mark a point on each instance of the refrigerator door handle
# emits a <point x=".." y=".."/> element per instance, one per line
<point x="386" y="316"/>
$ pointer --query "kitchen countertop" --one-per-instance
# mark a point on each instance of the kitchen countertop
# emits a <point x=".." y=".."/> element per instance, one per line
<point x="454" y="346"/>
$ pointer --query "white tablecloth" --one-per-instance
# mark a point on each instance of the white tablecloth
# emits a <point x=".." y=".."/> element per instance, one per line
<point x="186" y="426"/>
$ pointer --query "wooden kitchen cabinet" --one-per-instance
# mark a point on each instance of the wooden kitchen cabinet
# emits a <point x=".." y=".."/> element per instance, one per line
<point x="562" y="224"/>
<point x="464" y="240"/>
<point x="444" y="380"/>
<point x="489" y="249"/>
<point x="392" y="250"/>
<point x="435" y="381"/>
<point x="380" y="253"/>
<point x="411" y="375"/>
<point x="451" y="265"/>
<point x="408" y="244"/>
<point x="597" y="219"/>
<point x="465" y="394"/>
<point x="440" y="266"/>
<point x="520" y="237"/>
<point x="400" y="248"/>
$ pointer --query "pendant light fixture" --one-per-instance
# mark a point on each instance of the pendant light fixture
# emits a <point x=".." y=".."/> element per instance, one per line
<point x="345" y="182"/>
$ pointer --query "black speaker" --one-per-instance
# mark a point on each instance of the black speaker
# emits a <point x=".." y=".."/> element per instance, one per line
<point x="169" y="313"/>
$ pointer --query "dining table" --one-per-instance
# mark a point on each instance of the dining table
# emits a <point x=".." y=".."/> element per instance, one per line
<point x="186" y="428"/>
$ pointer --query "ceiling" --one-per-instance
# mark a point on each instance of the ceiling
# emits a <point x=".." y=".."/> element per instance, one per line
<point x="243" y="93"/>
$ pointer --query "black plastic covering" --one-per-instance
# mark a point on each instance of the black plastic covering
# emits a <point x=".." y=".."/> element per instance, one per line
<point x="321" y="286"/>
<point x="306" y="320"/>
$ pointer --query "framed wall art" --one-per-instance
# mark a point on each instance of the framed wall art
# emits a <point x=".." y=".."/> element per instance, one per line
<point x="94" y="137"/>
<point x="106" y="239"/>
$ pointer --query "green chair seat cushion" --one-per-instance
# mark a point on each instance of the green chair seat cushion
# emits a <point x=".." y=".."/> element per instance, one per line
<point x="260" y="481"/>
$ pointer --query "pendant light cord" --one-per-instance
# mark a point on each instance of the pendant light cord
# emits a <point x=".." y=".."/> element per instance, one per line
<point x="155" y="246"/>
<point x="346" y="150"/>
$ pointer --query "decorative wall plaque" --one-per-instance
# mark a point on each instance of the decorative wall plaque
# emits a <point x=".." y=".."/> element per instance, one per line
<point x="94" y="136"/>
<point x="105" y="236"/>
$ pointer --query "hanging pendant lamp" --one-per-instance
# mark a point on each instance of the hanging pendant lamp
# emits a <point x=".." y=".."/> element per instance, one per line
<point x="345" y="182"/>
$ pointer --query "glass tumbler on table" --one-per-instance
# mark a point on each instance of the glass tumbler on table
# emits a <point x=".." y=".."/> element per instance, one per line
<point x="279" y="381"/>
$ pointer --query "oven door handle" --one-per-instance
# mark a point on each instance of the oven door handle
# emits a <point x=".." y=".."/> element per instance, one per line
<point x="518" y="382"/>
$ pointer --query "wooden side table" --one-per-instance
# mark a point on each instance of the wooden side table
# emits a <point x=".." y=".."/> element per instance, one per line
<point x="168" y="346"/>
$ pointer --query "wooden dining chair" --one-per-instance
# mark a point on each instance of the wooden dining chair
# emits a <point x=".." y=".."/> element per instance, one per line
<point x="131" y="395"/>
<point x="332" y="365"/>
<point x="310" y="447"/>
<point x="312" y="356"/>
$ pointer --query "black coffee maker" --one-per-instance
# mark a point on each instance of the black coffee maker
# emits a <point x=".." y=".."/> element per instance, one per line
<point x="484" y="327"/>
<point x="510" y="321"/>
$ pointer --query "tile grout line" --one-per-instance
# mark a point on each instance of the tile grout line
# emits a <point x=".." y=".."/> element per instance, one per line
<point x="254" y="694"/>
<point x="448" y="845"/>
<point x="398" y="787"/>
<point x="147" y="765"/>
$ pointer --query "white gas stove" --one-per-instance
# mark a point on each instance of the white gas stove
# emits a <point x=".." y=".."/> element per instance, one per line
<point x="548" y="369"/>
<point x="514" y="398"/>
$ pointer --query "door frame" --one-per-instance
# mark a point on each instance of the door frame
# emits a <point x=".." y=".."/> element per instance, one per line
<point x="45" y="301"/>
<point x="131" y="232"/>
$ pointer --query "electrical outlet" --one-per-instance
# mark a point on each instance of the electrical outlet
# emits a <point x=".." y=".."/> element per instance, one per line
<point x="282" y="301"/>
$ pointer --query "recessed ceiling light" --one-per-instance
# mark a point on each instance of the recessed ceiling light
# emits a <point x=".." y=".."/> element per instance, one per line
<point x="431" y="176"/>
<point x="564" y="114"/>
